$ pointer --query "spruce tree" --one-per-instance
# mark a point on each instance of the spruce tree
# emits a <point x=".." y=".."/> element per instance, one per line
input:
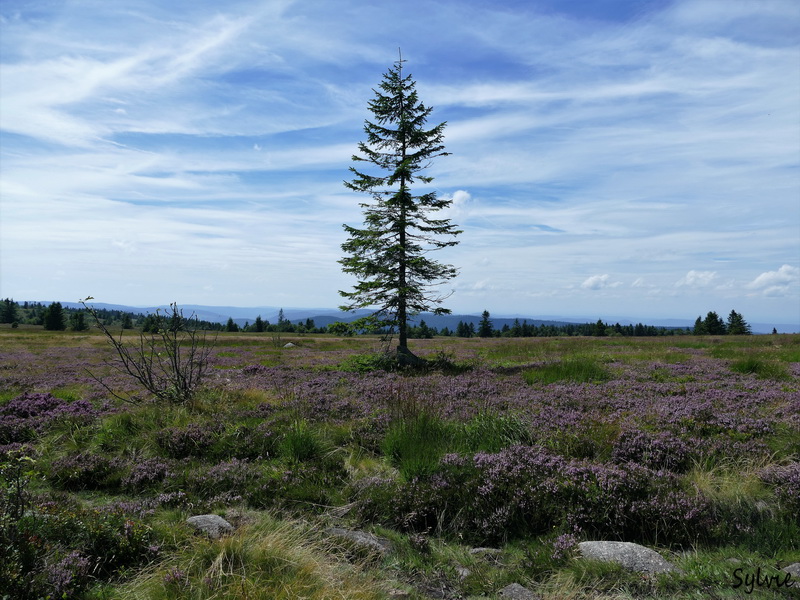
<point x="737" y="325"/>
<point x="77" y="321"/>
<point x="389" y="255"/>
<point x="485" y="328"/>
<point x="54" y="317"/>
<point x="714" y="325"/>
<point x="8" y="311"/>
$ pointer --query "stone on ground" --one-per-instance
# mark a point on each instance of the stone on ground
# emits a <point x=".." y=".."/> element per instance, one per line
<point x="631" y="556"/>
<point x="516" y="591"/>
<point x="212" y="525"/>
<point x="363" y="540"/>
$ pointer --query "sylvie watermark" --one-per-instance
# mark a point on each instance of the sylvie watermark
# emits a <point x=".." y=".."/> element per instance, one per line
<point x="749" y="580"/>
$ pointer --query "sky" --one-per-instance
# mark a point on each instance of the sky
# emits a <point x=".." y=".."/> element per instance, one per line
<point x="632" y="158"/>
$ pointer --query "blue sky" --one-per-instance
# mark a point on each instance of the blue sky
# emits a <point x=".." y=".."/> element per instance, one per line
<point x="609" y="157"/>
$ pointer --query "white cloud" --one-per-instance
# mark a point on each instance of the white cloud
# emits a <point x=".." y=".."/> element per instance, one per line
<point x="775" y="284"/>
<point x="697" y="279"/>
<point x="596" y="282"/>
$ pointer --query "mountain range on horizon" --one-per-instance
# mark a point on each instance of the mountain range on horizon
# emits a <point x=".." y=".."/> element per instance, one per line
<point x="324" y="316"/>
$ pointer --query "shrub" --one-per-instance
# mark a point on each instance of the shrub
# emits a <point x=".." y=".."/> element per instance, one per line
<point x="147" y="473"/>
<point x="194" y="439"/>
<point x="86" y="470"/>
<point x="656" y="451"/>
<point x="33" y="413"/>
<point x="169" y="360"/>
<point x="786" y="483"/>
<point x="527" y="491"/>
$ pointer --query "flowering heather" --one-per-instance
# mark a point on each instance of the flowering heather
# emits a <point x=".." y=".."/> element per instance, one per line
<point x="69" y="576"/>
<point x="193" y="440"/>
<point x="85" y="470"/>
<point x="786" y="481"/>
<point x="232" y="476"/>
<point x="526" y="490"/>
<point x="147" y="473"/>
<point x="663" y="450"/>
<point x="32" y="413"/>
<point x="649" y="454"/>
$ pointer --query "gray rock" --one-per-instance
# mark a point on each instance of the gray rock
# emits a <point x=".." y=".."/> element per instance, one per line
<point x="212" y="525"/>
<point x="516" y="591"/>
<point x="793" y="569"/>
<point x="631" y="556"/>
<point x="288" y="345"/>
<point x="486" y="552"/>
<point x="463" y="572"/>
<point x="363" y="540"/>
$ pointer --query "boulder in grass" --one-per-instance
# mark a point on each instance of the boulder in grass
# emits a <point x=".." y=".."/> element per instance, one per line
<point x="516" y="591"/>
<point x="793" y="570"/>
<point x="362" y="540"/>
<point x="631" y="556"/>
<point x="213" y="526"/>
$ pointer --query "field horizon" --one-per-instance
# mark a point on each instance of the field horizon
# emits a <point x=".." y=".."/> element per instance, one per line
<point x="323" y="316"/>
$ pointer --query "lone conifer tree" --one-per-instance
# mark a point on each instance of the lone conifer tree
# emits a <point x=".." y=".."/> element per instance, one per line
<point x="389" y="255"/>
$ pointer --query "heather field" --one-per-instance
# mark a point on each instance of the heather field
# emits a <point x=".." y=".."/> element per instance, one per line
<point x="687" y="445"/>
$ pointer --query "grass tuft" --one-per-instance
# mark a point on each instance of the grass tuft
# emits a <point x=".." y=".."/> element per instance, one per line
<point x="576" y="369"/>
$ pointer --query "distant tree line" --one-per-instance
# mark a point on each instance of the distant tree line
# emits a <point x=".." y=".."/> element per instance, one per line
<point x="524" y="329"/>
<point x="58" y="318"/>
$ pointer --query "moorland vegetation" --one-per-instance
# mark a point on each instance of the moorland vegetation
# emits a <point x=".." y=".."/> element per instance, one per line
<point x="687" y="445"/>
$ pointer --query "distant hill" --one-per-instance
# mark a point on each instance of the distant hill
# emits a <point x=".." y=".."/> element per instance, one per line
<point x="325" y="316"/>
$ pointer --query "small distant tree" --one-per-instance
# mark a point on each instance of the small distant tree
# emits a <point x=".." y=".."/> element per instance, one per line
<point x="259" y="324"/>
<point x="77" y="321"/>
<point x="599" y="329"/>
<point x="54" y="317"/>
<point x="485" y="328"/>
<point x="714" y="325"/>
<point x="699" y="327"/>
<point x="737" y="325"/>
<point x="341" y="328"/>
<point x="389" y="255"/>
<point x="423" y="331"/>
<point x="231" y="325"/>
<point x="127" y="321"/>
<point x="8" y="311"/>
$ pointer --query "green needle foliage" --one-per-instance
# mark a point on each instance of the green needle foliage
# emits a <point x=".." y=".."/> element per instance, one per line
<point x="389" y="255"/>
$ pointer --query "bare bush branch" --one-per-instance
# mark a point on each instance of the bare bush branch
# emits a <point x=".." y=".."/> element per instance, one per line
<point x="169" y="361"/>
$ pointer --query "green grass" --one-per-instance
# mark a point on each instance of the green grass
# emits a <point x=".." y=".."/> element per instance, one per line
<point x="270" y="559"/>
<point x="576" y="369"/>
<point x="762" y="368"/>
